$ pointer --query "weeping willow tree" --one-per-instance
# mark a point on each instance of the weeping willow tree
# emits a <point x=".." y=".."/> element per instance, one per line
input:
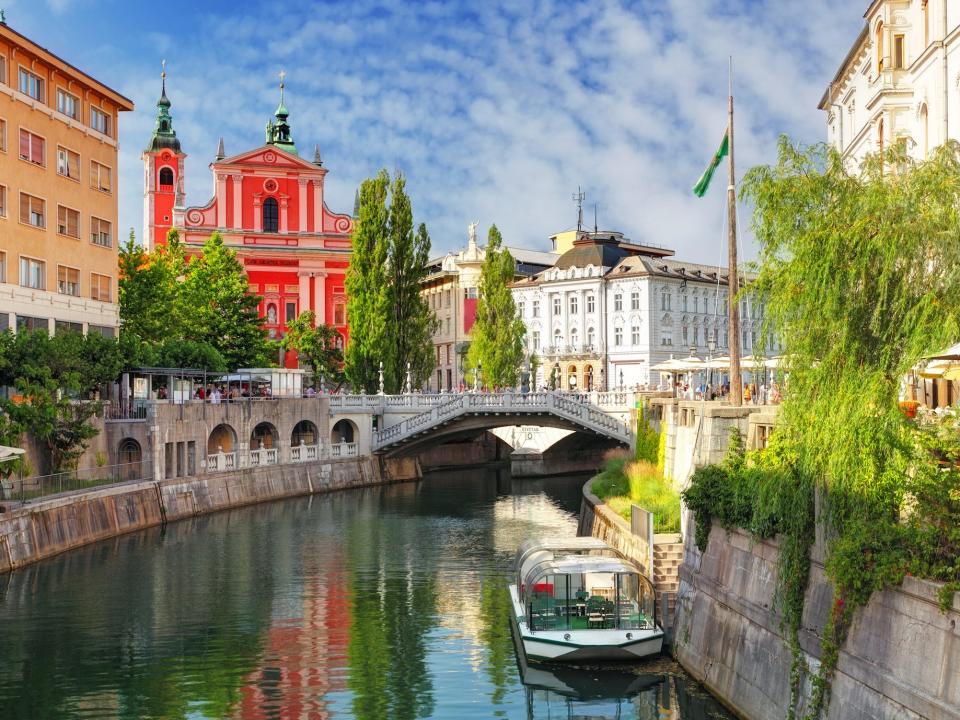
<point x="860" y="272"/>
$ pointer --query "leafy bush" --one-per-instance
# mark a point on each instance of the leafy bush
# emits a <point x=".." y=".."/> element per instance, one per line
<point x="622" y="483"/>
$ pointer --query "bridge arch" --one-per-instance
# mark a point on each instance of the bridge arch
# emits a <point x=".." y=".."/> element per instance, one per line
<point x="223" y="438"/>
<point x="265" y="433"/>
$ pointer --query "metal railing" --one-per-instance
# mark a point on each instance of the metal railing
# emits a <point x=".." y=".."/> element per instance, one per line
<point x="39" y="486"/>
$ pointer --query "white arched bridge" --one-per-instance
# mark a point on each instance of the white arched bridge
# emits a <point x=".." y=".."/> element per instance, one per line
<point x="408" y="421"/>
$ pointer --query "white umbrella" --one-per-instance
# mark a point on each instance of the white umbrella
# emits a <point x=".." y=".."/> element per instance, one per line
<point x="670" y="366"/>
<point x="720" y="363"/>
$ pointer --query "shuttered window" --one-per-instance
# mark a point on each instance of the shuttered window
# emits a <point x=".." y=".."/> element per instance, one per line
<point x="68" y="222"/>
<point x="33" y="211"/>
<point x="32" y="147"/>
<point x="100" y="287"/>
<point x="100" y="176"/>
<point x="100" y="232"/>
<point x="68" y="281"/>
<point x="68" y="163"/>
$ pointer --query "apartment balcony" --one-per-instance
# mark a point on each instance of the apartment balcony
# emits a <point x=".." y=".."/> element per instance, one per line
<point x="572" y="351"/>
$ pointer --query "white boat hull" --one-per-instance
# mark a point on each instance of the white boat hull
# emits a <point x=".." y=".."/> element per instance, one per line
<point x="582" y="645"/>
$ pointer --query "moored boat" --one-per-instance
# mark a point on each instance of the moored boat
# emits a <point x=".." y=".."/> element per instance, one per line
<point x="578" y="600"/>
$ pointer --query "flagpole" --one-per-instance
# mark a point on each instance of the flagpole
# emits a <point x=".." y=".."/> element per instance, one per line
<point x="733" y="285"/>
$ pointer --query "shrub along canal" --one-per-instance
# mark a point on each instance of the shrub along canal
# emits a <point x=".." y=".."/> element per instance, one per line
<point x="381" y="603"/>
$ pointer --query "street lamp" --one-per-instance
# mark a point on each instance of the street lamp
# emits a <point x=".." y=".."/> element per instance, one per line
<point x="711" y="348"/>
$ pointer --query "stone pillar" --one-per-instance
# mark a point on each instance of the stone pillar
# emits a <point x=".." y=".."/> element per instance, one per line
<point x="302" y="205"/>
<point x="317" y="205"/>
<point x="320" y="297"/>
<point x="221" y="200"/>
<point x="257" y="212"/>
<point x="305" y="293"/>
<point x="284" y="202"/>
<point x="237" y="201"/>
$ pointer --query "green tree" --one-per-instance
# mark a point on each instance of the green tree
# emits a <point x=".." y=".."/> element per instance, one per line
<point x="222" y="311"/>
<point x="498" y="332"/>
<point x="148" y="289"/>
<point x="412" y="322"/>
<point x="180" y="353"/>
<point x="366" y="286"/>
<point x="317" y="346"/>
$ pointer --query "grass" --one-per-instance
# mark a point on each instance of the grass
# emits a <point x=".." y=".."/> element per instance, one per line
<point x="624" y="482"/>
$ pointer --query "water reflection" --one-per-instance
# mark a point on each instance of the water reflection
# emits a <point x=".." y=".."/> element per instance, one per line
<point x="378" y="603"/>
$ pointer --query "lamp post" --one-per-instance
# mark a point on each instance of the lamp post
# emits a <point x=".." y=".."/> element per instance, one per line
<point x="711" y="348"/>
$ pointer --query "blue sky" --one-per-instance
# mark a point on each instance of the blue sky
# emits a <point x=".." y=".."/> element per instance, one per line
<point x="495" y="110"/>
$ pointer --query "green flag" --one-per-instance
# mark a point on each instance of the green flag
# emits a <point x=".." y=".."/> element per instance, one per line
<point x="704" y="182"/>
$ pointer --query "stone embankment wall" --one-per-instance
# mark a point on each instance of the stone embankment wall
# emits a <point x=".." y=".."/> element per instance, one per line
<point x="901" y="660"/>
<point x="48" y="527"/>
<point x="598" y="520"/>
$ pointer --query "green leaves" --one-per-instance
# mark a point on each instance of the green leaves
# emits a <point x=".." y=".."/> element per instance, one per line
<point x="317" y="346"/>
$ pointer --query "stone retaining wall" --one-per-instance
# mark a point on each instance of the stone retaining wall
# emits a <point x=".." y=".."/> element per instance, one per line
<point x="901" y="660"/>
<point x="599" y="521"/>
<point x="48" y="527"/>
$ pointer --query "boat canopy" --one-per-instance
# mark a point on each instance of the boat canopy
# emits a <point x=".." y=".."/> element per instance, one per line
<point x="532" y="552"/>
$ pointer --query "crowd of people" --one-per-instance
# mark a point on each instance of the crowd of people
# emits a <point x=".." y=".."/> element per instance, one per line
<point x="753" y="393"/>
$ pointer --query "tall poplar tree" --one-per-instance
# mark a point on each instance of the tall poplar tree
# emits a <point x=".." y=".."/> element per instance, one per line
<point x="222" y="311"/>
<point x="498" y="332"/>
<point x="412" y="322"/>
<point x="366" y="286"/>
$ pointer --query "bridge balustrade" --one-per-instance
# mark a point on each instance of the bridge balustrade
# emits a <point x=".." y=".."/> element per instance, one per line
<point x="304" y="452"/>
<point x="221" y="461"/>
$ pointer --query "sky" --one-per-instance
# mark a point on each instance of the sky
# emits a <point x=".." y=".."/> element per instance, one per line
<point x="496" y="111"/>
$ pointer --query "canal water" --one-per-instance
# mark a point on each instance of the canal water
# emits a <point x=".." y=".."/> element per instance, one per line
<point x="379" y="604"/>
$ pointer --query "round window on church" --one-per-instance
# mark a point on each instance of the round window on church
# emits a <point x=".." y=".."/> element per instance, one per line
<point x="270" y="185"/>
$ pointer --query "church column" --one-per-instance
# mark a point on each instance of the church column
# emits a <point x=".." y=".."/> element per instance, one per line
<point x="221" y="200"/>
<point x="320" y="297"/>
<point x="302" y="205"/>
<point x="317" y="205"/>
<point x="257" y="212"/>
<point x="284" y="223"/>
<point x="304" y="292"/>
<point x="237" y="201"/>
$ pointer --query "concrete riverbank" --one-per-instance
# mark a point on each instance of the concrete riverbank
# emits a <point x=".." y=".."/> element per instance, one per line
<point x="47" y="527"/>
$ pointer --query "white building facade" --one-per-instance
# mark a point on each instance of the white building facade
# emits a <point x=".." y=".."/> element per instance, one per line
<point x="900" y="82"/>
<point x="610" y="309"/>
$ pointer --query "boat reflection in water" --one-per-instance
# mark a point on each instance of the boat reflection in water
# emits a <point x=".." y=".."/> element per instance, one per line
<point x="652" y="691"/>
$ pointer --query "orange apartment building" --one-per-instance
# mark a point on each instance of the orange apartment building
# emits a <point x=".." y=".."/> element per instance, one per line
<point x="58" y="194"/>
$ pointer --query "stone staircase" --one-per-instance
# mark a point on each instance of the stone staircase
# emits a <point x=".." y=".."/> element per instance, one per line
<point x="667" y="557"/>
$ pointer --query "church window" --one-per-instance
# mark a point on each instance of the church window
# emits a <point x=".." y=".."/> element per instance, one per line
<point x="271" y="215"/>
<point x="339" y="314"/>
<point x="166" y="177"/>
<point x="291" y="311"/>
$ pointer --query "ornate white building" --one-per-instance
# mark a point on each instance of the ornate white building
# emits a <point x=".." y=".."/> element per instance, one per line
<point x="610" y="309"/>
<point x="900" y="82"/>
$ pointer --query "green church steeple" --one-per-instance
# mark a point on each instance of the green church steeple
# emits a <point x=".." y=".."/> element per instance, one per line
<point x="278" y="133"/>
<point x="164" y="136"/>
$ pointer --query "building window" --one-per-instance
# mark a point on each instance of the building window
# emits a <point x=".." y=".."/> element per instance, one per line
<point x="3" y="200"/>
<point x="339" y="314"/>
<point x="33" y="211"/>
<point x="472" y="293"/>
<point x="68" y="281"/>
<point x="521" y="308"/>
<point x="685" y="334"/>
<point x="166" y="178"/>
<point x="3" y="135"/>
<point x="101" y="232"/>
<point x="32" y="147"/>
<point x="618" y="336"/>
<point x="291" y="311"/>
<point x="32" y="85"/>
<point x="271" y="215"/>
<point x="635" y="335"/>
<point x="696" y="336"/>
<point x="618" y="302"/>
<point x="3" y="70"/>
<point x="446" y="298"/>
<point x="591" y="338"/>
<point x="696" y="304"/>
<point x="574" y="339"/>
<point x="100" y="177"/>
<point x="879" y="44"/>
<point x="536" y="308"/>
<point x="925" y="8"/>
<point x="557" y="339"/>
<point x="99" y="120"/>
<point x="446" y="325"/>
<point x="899" y="52"/>
<point x="665" y="300"/>
<point x="68" y="104"/>
<point x="68" y="222"/>
<point x="556" y="306"/>
<point x="574" y="304"/>
<point x="536" y="341"/>
<point x="68" y="163"/>
<point x="100" y="287"/>
<point x="635" y="300"/>
<point x="591" y="304"/>
<point x="3" y="266"/>
<point x="33" y="273"/>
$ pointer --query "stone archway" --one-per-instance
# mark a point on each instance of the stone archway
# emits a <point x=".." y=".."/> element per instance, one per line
<point x="344" y="431"/>
<point x="304" y="433"/>
<point x="130" y="458"/>
<point x="266" y="434"/>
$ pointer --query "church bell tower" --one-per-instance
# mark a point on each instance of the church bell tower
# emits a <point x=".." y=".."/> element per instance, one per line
<point x="162" y="174"/>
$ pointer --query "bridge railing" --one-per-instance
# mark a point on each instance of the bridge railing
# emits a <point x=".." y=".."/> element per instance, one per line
<point x="420" y="401"/>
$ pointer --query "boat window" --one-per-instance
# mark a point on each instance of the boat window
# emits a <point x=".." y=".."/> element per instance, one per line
<point x="634" y="602"/>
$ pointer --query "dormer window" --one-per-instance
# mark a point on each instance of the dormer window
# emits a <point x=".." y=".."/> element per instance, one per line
<point x="271" y="215"/>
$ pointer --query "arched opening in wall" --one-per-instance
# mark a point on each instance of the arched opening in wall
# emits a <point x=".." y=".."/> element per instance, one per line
<point x="264" y="436"/>
<point x="304" y="433"/>
<point x="878" y="39"/>
<point x="223" y="438"/>
<point x="166" y="178"/>
<point x="572" y="377"/>
<point x="271" y="215"/>
<point x="588" y="378"/>
<point x="344" y="431"/>
<point x="130" y="457"/>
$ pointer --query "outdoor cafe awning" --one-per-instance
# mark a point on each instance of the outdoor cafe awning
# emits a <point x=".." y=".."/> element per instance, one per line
<point x="951" y="353"/>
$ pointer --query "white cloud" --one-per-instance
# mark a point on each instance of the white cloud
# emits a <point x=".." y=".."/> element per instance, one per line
<point x="499" y="114"/>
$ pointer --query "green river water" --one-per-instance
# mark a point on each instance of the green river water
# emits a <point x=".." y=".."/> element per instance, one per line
<point x="380" y="604"/>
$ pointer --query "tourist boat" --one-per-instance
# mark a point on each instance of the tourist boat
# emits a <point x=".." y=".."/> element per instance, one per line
<point x="578" y="600"/>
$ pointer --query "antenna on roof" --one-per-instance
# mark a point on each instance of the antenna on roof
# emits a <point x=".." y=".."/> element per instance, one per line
<point x="578" y="199"/>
